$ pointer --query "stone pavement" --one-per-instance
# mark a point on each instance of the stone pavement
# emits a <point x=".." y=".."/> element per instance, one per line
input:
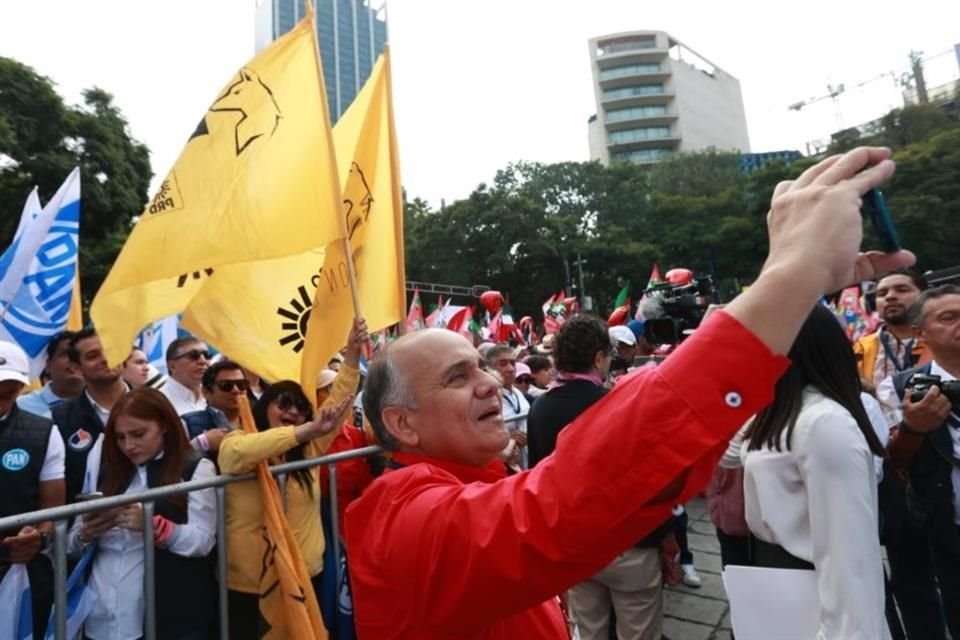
<point x="699" y="614"/>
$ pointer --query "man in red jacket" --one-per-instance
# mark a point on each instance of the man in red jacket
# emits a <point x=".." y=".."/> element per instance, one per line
<point x="444" y="546"/>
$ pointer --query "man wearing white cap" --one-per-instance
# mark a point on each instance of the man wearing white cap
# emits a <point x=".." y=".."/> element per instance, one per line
<point x="624" y="343"/>
<point x="31" y="477"/>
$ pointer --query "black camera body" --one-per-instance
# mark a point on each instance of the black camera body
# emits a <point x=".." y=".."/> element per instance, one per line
<point x="920" y="383"/>
<point x="683" y="307"/>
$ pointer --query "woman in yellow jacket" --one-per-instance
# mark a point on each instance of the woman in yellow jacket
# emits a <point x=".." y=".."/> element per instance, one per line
<point x="283" y="416"/>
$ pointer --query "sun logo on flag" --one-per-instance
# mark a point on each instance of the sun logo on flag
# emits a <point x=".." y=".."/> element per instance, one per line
<point x="296" y="318"/>
<point x="185" y="277"/>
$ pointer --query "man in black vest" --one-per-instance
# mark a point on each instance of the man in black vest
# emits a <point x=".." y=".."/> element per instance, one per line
<point x="31" y="478"/>
<point x="926" y="444"/>
<point x="82" y="419"/>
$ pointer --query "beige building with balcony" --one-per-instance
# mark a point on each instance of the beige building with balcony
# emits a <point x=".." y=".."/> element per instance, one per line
<point x="655" y="97"/>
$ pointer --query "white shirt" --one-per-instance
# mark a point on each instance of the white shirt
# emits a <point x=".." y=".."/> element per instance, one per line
<point x="819" y="502"/>
<point x="879" y="423"/>
<point x="514" y="403"/>
<point x="117" y="573"/>
<point x="102" y="412"/>
<point x="183" y="399"/>
<point x="888" y="395"/>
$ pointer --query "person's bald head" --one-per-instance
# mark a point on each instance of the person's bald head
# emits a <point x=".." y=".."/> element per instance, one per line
<point x="428" y="393"/>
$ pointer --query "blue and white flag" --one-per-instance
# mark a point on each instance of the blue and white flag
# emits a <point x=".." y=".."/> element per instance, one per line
<point x="16" y="611"/>
<point x="38" y="307"/>
<point x="12" y="270"/>
<point x="155" y="339"/>
<point x="80" y="598"/>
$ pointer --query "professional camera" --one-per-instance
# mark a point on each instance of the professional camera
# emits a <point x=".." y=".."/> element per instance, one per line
<point x="920" y="383"/>
<point x="676" y="307"/>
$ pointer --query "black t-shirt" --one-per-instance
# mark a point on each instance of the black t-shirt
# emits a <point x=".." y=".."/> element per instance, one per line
<point x="553" y="411"/>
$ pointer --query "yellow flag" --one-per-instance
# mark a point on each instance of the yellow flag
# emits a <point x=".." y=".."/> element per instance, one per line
<point x="373" y="210"/>
<point x="258" y="313"/>
<point x="256" y="180"/>
<point x="287" y="600"/>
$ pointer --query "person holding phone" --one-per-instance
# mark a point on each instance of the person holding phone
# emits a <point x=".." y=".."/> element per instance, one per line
<point x="144" y="446"/>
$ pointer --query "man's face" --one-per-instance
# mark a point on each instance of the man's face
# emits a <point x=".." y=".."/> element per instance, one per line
<point x="895" y="294"/>
<point x="93" y="362"/>
<point x="627" y="351"/>
<point x="229" y="385"/>
<point x="64" y="371"/>
<point x="189" y="363"/>
<point x="458" y="415"/>
<point x="506" y="366"/>
<point x="9" y="390"/>
<point x="940" y="325"/>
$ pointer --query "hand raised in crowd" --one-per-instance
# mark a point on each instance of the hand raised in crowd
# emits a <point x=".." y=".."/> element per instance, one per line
<point x="328" y="419"/>
<point x="214" y="438"/>
<point x="927" y="414"/>
<point x="815" y="225"/>
<point x="356" y="342"/>
<point x="519" y="437"/>
<point x="23" y="546"/>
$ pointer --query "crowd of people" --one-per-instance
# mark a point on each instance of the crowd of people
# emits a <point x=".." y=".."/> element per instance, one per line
<point x="532" y="490"/>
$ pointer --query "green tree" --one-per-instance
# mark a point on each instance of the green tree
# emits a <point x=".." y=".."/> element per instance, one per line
<point x="42" y="139"/>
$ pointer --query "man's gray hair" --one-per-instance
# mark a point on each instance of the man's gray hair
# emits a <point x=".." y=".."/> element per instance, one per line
<point x="915" y="313"/>
<point x="385" y="387"/>
<point x="495" y="351"/>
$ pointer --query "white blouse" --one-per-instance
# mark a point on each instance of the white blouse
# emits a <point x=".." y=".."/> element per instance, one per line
<point x="819" y="502"/>
<point x="117" y="574"/>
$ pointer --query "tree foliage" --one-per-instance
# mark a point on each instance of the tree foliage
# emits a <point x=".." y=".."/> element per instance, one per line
<point x="42" y="139"/>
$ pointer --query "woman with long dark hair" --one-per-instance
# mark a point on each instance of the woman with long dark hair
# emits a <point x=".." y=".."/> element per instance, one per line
<point x="144" y="446"/>
<point x="810" y="488"/>
<point x="287" y="432"/>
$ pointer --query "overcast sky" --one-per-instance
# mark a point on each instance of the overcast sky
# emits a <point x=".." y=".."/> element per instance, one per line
<point x="480" y="83"/>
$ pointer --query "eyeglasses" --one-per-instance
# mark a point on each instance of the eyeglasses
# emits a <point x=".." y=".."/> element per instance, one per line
<point x="229" y="385"/>
<point x="287" y="402"/>
<point x="194" y="354"/>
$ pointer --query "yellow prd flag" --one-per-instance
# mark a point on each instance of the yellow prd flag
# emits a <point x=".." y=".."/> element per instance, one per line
<point x="287" y="600"/>
<point x="373" y="209"/>
<point x="257" y="180"/>
<point x="257" y="313"/>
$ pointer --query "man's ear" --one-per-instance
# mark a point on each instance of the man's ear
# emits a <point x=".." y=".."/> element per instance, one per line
<point x="397" y="421"/>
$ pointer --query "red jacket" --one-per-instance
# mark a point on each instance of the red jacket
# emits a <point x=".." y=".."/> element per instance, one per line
<point x="442" y="551"/>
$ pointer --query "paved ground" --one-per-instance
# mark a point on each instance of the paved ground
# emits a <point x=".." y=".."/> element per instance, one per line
<point x="699" y="614"/>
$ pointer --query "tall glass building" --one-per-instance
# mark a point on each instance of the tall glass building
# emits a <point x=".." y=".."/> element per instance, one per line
<point x="351" y="34"/>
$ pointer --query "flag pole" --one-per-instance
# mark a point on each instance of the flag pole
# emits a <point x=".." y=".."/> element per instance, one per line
<point x="348" y="251"/>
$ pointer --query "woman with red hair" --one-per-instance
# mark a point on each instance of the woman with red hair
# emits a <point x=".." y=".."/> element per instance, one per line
<point x="144" y="446"/>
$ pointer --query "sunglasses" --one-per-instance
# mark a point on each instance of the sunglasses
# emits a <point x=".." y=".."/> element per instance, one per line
<point x="229" y="385"/>
<point x="287" y="403"/>
<point x="194" y="354"/>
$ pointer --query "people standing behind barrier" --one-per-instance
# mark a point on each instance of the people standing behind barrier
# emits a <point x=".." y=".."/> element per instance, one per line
<point x="144" y="447"/>
<point x="81" y="420"/>
<point x="925" y="446"/>
<point x="223" y="386"/>
<point x="810" y="487"/>
<point x="287" y="432"/>
<point x="66" y="381"/>
<point x="31" y="478"/>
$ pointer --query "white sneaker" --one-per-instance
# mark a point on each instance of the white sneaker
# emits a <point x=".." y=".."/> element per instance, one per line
<point x="690" y="577"/>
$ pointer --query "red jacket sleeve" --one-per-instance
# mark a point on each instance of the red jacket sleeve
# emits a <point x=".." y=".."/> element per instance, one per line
<point x="463" y="555"/>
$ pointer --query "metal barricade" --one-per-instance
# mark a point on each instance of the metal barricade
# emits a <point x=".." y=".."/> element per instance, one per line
<point x="61" y="517"/>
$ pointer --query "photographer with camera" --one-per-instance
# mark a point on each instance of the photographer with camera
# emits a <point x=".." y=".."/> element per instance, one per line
<point x="925" y="445"/>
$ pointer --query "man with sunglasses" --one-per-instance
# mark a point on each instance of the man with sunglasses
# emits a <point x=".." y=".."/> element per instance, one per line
<point x="223" y="384"/>
<point x="187" y="360"/>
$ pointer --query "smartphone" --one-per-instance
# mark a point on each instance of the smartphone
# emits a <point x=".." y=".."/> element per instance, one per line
<point x="875" y="207"/>
<point x="84" y="497"/>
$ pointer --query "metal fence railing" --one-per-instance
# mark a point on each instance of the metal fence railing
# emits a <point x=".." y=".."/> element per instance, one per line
<point x="61" y="517"/>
